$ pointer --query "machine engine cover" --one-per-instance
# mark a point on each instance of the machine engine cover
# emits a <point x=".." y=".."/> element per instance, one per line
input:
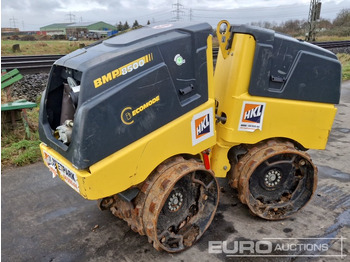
<point x="288" y="68"/>
<point x="130" y="85"/>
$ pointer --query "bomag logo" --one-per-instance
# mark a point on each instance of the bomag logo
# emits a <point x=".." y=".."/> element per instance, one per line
<point x="123" y="70"/>
<point x="202" y="126"/>
<point x="128" y="113"/>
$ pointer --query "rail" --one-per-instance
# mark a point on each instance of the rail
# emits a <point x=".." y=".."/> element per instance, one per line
<point x="29" y="64"/>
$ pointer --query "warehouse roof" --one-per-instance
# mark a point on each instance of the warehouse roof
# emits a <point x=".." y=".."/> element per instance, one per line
<point x="83" y="24"/>
<point x="57" y="25"/>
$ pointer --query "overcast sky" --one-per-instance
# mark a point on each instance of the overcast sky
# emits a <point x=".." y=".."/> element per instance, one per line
<point x="33" y="14"/>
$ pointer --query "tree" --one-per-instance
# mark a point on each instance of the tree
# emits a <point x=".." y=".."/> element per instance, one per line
<point x="264" y="24"/>
<point x="293" y="27"/>
<point x="324" y="24"/>
<point x="135" y="24"/>
<point x="343" y="18"/>
<point x="126" y="26"/>
<point x="120" y="26"/>
<point x="148" y="22"/>
<point x="342" y="23"/>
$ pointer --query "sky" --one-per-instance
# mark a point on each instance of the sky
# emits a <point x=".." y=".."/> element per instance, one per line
<point x="30" y="15"/>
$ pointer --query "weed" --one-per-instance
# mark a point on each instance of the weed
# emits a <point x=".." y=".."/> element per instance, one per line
<point x="21" y="153"/>
<point x="16" y="149"/>
<point x="345" y="61"/>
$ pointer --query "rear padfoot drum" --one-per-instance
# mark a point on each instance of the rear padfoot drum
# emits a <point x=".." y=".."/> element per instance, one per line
<point x="174" y="207"/>
<point x="273" y="178"/>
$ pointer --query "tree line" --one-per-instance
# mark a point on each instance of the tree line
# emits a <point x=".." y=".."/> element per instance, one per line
<point x="340" y="26"/>
<point x="122" y="27"/>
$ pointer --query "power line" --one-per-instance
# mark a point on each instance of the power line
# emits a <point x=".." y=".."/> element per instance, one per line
<point x="71" y="17"/>
<point x="159" y="15"/>
<point x="13" y="19"/>
<point x="178" y="10"/>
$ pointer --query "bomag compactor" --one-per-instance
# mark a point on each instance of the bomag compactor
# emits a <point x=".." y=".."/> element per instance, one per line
<point x="142" y="123"/>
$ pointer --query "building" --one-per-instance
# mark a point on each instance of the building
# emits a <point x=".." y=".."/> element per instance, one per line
<point x="90" y="29"/>
<point x="9" y="30"/>
<point x="55" y="29"/>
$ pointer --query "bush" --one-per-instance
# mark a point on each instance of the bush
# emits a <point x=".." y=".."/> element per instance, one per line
<point x="14" y="37"/>
<point x="28" y="38"/>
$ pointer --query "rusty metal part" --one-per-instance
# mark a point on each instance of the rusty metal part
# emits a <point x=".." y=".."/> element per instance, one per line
<point x="273" y="178"/>
<point x="67" y="110"/>
<point x="174" y="207"/>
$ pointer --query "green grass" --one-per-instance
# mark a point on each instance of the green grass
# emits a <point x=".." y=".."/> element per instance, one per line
<point x="325" y="38"/>
<point x="16" y="148"/>
<point x="49" y="47"/>
<point x="345" y="61"/>
<point x="21" y="153"/>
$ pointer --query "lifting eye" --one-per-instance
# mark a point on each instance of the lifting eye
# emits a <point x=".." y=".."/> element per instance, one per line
<point x="223" y="28"/>
<point x="224" y="36"/>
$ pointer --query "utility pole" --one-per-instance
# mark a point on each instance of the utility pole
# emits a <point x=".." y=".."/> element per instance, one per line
<point x="13" y="19"/>
<point x="178" y="10"/>
<point x="191" y="14"/>
<point x="71" y="17"/>
<point x="314" y="15"/>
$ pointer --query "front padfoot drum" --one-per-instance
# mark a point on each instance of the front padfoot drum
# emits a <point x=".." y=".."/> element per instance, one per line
<point x="274" y="179"/>
<point x="180" y="205"/>
<point x="174" y="206"/>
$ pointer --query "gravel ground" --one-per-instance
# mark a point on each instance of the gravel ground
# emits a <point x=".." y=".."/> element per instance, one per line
<point x="30" y="87"/>
<point x="339" y="50"/>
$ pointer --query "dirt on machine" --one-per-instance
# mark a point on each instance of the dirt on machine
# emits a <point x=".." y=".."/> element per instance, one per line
<point x="143" y="123"/>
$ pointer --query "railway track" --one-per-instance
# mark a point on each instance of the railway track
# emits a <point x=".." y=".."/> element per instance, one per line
<point x="29" y="64"/>
<point x="333" y="44"/>
<point x="35" y="64"/>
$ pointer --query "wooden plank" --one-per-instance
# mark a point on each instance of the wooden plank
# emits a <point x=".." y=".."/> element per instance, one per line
<point x="9" y="75"/>
<point x="11" y="81"/>
<point x="17" y="105"/>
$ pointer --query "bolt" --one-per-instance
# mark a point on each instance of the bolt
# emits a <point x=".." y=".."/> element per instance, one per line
<point x="225" y="167"/>
<point x="302" y="162"/>
<point x="205" y="197"/>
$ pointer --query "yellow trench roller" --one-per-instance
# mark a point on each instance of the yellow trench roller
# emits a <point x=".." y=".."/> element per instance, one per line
<point x="270" y="99"/>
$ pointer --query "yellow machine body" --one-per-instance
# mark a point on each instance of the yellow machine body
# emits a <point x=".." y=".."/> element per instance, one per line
<point x="306" y="123"/>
